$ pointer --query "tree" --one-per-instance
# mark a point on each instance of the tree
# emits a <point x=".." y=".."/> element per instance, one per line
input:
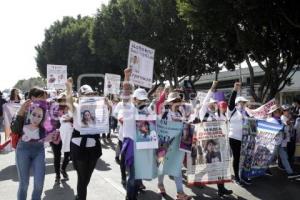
<point x="26" y="84"/>
<point x="67" y="42"/>
<point x="265" y="32"/>
<point x="155" y="23"/>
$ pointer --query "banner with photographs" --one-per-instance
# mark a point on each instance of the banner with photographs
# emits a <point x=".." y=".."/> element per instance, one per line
<point x="262" y="111"/>
<point x="9" y="111"/>
<point x="112" y="84"/>
<point x="146" y="136"/>
<point x="94" y="115"/>
<point x="209" y="160"/>
<point x="141" y="61"/>
<point x="56" y="76"/>
<point x="258" y="146"/>
<point x="186" y="138"/>
<point x="169" y="157"/>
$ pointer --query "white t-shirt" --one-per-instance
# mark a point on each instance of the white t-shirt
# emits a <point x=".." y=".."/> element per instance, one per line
<point x="30" y="134"/>
<point x="118" y="113"/>
<point x="66" y="130"/>
<point x="236" y="121"/>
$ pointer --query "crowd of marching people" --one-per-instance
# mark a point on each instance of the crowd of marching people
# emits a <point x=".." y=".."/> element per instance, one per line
<point x="61" y="128"/>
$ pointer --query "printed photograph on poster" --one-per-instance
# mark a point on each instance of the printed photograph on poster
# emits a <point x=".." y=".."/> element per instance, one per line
<point x="186" y="139"/>
<point x="94" y="115"/>
<point x="56" y="76"/>
<point x="212" y="152"/>
<point x="141" y="61"/>
<point x="34" y="123"/>
<point x="146" y="136"/>
<point x="112" y="84"/>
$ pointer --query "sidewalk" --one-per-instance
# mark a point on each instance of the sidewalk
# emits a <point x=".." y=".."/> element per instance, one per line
<point x="106" y="183"/>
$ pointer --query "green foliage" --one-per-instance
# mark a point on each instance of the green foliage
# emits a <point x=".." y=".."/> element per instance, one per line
<point x="26" y="84"/>
<point x="266" y="32"/>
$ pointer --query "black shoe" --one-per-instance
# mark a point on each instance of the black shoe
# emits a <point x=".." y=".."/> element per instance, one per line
<point x="224" y="191"/>
<point x="123" y="182"/>
<point x="108" y="136"/>
<point x="117" y="159"/>
<point x="64" y="173"/>
<point x="246" y="181"/>
<point x="142" y="186"/>
<point x="57" y="181"/>
<point x="103" y="136"/>
<point x="268" y="172"/>
<point x="293" y="176"/>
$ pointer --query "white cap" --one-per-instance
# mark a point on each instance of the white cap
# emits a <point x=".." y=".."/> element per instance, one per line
<point x="140" y="94"/>
<point x="85" y="89"/>
<point x="211" y="100"/>
<point x="240" y="99"/>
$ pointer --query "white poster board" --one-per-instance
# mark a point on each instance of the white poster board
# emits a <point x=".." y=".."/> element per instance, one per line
<point x="112" y="84"/>
<point x="94" y="115"/>
<point x="141" y="61"/>
<point x="56" y="76"/>
<point x="146" y="136"/>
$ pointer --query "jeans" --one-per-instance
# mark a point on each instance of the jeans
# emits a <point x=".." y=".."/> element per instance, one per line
<point x="284" y="159"/>
<point x="178" y="182"/>
<point x="122" y="163"/>
<point x="56" y="148"/>
<point x="30" y="154"/>
<point x="235" y="146"/>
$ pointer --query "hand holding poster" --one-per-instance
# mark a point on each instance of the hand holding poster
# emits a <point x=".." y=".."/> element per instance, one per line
<point x="262" y="111"/>
<point x="35" y="122"/>
<point x="141" y="61"/>
<point x="258" y="146"/>
<point x="56" y="76"/>
<point x="209" y="161"/>
<point x="94" y="115"/>
<point x="146" y="136"/>
<point x="112" y="84"/>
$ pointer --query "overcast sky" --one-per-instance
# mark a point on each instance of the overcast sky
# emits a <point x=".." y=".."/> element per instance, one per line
<point x="22" y="27"/>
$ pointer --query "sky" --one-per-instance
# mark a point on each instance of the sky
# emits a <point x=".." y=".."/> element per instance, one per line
<point x="23" y="23"/>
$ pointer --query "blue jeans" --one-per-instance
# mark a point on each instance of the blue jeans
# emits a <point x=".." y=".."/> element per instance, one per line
<point x="30" y="154"/>
<point x="178" y="182"/>
<point x="285" y="159"/>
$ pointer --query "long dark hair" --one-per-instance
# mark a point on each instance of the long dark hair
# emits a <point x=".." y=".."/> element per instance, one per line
<point x="83" y="118"/>
<point x="12" y="95"/>
<point x="36" y="92"/>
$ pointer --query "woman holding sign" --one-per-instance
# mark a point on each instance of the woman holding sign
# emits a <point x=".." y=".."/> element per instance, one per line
<point x="85" y="148"/>
<point x="30" y="152"/>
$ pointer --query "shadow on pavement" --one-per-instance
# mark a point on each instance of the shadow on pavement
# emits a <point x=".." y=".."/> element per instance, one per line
<point x="9" y="173"/>
<point x="61" y="192"/>
<point x="102" y="165"/>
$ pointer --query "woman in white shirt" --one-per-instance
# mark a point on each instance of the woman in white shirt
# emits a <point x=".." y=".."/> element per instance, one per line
<point x="85" y="149"/>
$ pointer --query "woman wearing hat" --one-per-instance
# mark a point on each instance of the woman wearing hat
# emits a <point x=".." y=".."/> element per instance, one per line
<point x="275" y="117"/>
<point x="173" y="113"/>
<point x="236" y="117"/>
<point x="210" y="112"/>
<point x="85" y="149"/>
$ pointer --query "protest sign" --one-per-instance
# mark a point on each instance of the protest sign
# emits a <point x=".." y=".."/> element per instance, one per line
<point x="112" y="84"/>
<point x="36" y="121"/>
<point x="201" y="96"/>
<point x="94" y="115"/>
<point x="209" y="161"/>
<point x="169" y="157"/>
<point x="56" y="76"/>
<point x="186" y="138"/>
<point x="262" y="111"/>
<point x="141" y="61"/>
<point x="258" y="146"/>
<point x="9" y="111"/>
<point x="146" y="136"/>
